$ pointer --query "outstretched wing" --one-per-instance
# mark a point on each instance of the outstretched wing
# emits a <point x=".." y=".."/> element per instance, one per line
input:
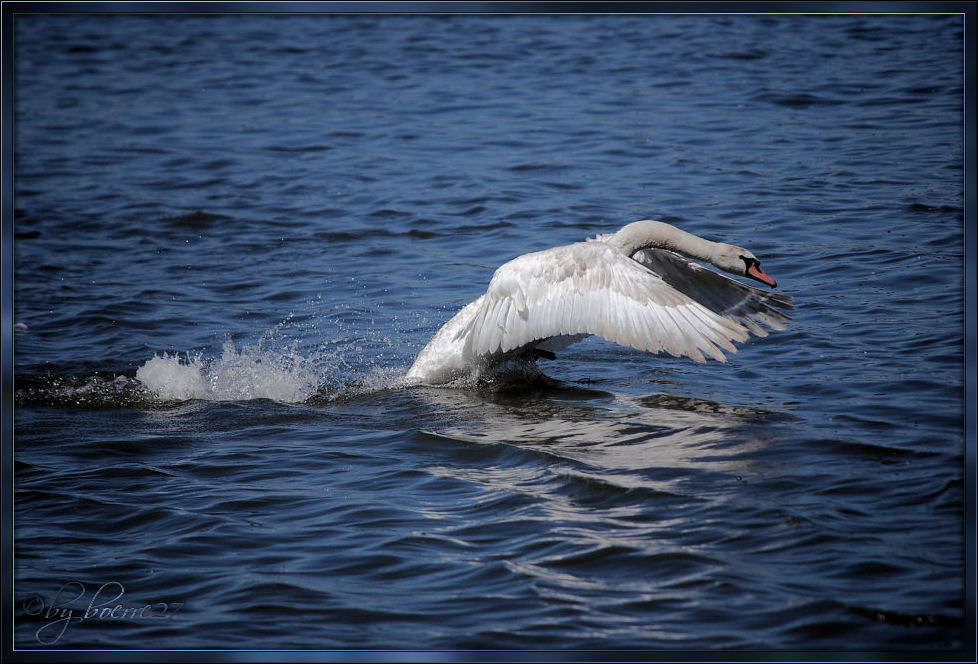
<point x="749" y="306"/>
<point x="591" y="288"/>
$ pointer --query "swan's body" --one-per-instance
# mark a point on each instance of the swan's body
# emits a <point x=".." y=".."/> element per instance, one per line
<point x="630" y="287"/>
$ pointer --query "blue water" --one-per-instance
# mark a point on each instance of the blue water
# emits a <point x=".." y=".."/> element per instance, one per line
<point x="233" y="233"/>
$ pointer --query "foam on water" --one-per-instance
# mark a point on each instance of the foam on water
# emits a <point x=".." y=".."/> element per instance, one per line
<point x="170" y="378"/>
<point x="253" y="372"/>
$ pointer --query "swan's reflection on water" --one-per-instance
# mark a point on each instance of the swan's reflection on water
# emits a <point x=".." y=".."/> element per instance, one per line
<point x="655" y="441"/>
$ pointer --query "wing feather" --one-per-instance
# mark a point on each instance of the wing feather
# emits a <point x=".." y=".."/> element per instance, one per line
<point x="591" y="288"/>
<point x="751" y="307"/>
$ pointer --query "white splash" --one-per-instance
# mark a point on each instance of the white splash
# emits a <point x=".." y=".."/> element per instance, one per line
<point x="171" y="379"/>
<point x="251" y="373"/>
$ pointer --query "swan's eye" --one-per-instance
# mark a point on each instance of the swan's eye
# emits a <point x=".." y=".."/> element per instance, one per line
<point x="750" y="262"/>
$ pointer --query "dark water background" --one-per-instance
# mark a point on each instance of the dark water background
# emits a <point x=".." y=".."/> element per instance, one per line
<point x="282" y="209"/>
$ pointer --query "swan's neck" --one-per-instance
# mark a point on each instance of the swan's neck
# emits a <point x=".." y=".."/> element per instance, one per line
<point x="647" y="234"/>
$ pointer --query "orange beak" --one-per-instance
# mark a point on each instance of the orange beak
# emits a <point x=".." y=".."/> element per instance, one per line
<point x="755" y="272"/>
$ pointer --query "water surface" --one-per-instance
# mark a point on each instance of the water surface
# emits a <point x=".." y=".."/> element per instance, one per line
<point x="270" y="215"/>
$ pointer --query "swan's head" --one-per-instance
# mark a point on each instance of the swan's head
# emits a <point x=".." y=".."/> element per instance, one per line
<point x="737" y="260"/>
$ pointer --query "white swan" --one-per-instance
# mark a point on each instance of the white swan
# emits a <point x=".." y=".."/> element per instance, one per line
<point x="630" y="287"/>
